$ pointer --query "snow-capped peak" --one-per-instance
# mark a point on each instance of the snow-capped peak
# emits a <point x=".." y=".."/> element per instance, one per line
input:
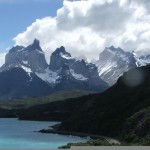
<point x="61" y="52"/>
<point x="113" y="62"/>
<point x="119" y="53"/>
<point x="34" y="46"/>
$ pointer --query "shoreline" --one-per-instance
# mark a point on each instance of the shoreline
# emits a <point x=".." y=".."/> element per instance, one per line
<point x="82" y="135"/>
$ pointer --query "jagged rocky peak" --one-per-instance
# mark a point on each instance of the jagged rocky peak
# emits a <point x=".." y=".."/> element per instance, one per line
<point x="61" y="52"/>
<point x="113" y="62"/>
<point x="74" y="72"/>
<point x="115" y="48"/>
<point x="36" y="57"/>
<point x="111" y="48"/>
<point x="34" y="46"/>
<point x="31" y="57"/>
<point x="82" y="57"/>
<point x="117" y="52"/>
<point x="58" y="58"/>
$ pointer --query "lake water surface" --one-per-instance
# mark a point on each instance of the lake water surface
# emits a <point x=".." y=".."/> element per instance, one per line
<point x="20" y="134"/>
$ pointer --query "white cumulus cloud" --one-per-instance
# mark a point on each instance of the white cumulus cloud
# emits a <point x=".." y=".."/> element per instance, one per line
<point x="85" y="27"/>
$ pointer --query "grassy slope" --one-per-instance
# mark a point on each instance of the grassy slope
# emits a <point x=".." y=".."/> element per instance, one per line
<point x="28" y="102"/>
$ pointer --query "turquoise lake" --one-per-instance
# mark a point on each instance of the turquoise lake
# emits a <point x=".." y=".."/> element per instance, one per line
<point x="20" y="134"/>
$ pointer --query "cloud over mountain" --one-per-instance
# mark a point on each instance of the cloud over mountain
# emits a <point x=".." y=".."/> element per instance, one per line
<point x="86" y="27"/>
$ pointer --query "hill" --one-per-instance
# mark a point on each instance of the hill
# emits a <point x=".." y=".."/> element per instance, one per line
<point x="103" y="114"/>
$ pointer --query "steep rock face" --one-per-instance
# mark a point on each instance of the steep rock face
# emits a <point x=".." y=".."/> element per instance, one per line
<point x="31" y="57"/>
<point x="73" y="73"/>
<point x="28" y="64"/>
<point x="113" y="62"/>
<point x="58" y="58"/>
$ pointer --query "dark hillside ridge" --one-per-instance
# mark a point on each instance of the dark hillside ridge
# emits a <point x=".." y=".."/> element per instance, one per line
<point x="16" y="83"/>
<point x="103" y="114"/>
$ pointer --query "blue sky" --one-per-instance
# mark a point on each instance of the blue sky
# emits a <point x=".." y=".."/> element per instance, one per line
<point x="17" y="15"/>
<point x="84" y="27"/>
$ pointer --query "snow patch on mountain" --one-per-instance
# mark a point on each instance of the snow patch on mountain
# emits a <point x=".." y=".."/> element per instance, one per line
<point x="65" y="56"/>
<point x="138" y="62"/>
<point x="48" y="76"/>
<point x="78" y="76"/>
<point x="38" y="51"/>
<point x="28" y="70"/>
<point x="104" y="69"/>
<point x="25" y="62"/>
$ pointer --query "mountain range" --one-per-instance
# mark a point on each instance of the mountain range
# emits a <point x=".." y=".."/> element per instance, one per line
<point x="120" y="111"/>
<point x="27" y="74"/>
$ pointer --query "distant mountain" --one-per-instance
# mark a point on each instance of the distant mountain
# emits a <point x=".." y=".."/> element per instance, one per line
<point x="29" y="74"/>
<point x="113" y="62"/>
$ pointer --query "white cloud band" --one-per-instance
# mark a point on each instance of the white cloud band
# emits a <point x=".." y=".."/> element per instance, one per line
<point x="86" y="27"/>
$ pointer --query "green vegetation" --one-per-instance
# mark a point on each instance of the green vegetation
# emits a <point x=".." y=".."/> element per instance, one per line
<point x="28" y="102"/>
<point x="137" y="128"/>
<point x="89" y="143"/>
<point x="113" y="113"/>
<point x="145" y="141"/>
<point x="121" y="111"/>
